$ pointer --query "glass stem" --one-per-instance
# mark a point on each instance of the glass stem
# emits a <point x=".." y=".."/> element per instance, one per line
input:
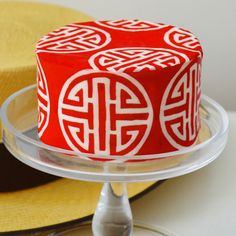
<point x="113" y="214"/>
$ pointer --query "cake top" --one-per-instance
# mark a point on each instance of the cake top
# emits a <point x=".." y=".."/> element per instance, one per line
<point x="122" y="45"/>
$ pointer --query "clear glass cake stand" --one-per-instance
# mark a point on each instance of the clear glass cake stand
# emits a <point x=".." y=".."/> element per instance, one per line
<point x="113" y="215"/>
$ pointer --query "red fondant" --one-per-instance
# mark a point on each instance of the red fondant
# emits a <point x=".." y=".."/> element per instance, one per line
<point x="119" y="87"/>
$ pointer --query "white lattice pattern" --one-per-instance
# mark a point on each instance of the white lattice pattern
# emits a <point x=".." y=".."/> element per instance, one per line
<point x="136" y="59"/>
<point x="179" y="114"/>
<point x="104" y="113"/>
<point x="74" y="38"/>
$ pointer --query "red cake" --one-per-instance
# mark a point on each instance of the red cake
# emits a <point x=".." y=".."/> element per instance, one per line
<point x="124" y="87"/>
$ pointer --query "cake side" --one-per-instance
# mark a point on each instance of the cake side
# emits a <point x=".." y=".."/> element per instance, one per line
<point x="122" y="87"/>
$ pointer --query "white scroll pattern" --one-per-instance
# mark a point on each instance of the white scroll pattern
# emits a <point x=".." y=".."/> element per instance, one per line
<point x="132" y="25"/>
<point x="43" y="100"/>
<point x="136" y="59"/>
<point x="104" y="113"/>
<point x="74" y="38"/>
<point x="179" y="115"/>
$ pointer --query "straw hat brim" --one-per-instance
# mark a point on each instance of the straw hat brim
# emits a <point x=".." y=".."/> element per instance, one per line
<point x="55" y="204"/>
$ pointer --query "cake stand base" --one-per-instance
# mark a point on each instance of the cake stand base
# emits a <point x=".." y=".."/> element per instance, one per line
<point x="139" y="229"/>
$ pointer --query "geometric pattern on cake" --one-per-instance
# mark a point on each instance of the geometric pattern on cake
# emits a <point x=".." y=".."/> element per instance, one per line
<point x="183" y="39"/>
<point x="131" y="25"/>
<point x="122" y="87"/>
<point x="136" y="59"/>
<point x="179" y="115"/>
<point x="74" y="38"/>
<point x="104" y="113"/>
<point x="43" y="99"/>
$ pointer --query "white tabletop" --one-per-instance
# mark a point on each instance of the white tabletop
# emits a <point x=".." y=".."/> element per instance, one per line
<point x="199" y="204"/>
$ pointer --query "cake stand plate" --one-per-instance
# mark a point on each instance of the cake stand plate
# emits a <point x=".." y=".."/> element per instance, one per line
<point x="113" y="214"/>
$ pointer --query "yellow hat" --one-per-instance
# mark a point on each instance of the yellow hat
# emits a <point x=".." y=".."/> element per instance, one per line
<point x="61" y="200"/>
<point x="54" y="203"/>
<point x="22" y="25"/>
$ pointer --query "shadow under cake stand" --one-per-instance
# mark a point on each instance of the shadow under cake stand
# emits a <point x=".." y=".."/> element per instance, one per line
<point x="113" y="215"/>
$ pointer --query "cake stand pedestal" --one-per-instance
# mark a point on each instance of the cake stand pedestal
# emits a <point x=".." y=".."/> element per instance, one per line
<point x="113" y="215"/>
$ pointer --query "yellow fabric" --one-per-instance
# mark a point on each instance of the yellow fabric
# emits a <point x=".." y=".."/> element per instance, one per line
<point x="57" y="202"/>
<point x="21" y="25"/>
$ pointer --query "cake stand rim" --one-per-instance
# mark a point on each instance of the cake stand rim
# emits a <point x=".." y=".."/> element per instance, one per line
<point x="6" y="123"/>
<point x="219" y="141"/>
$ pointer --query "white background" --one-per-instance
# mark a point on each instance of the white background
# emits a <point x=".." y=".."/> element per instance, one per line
<point x="212" y="21"/>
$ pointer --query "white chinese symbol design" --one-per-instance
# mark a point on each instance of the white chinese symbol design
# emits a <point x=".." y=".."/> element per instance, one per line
<point x="136" y="59"/>
<point x="179" y="115"/>
<point x="43" y="100"/>
<point x="74" y="38"/>
<point x="131" y="25"/>
<point x="104" y="113"/>
<point x="180" y="38"/>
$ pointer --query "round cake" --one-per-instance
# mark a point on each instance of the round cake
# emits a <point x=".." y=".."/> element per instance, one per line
<point x="124" y="87"/>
